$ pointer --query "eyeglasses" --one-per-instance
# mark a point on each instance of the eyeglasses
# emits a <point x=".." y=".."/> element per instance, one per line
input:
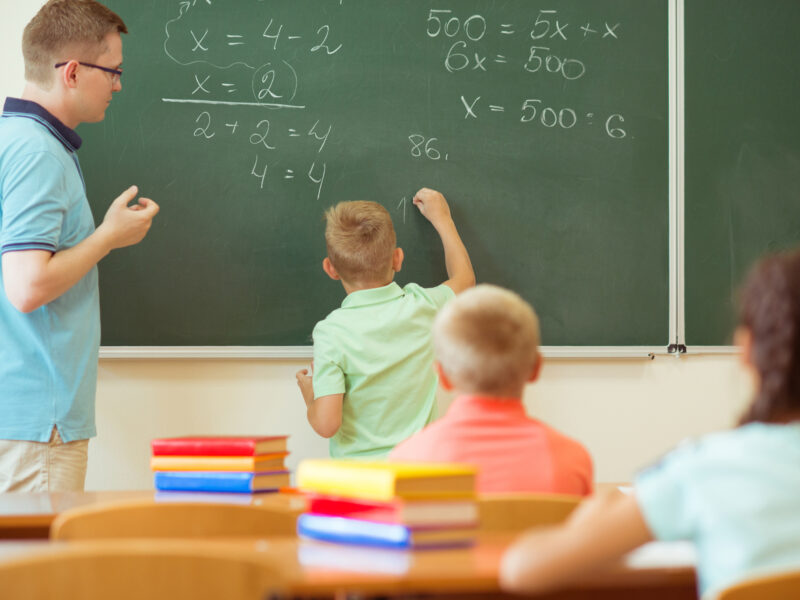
<point x="115" y="73"/>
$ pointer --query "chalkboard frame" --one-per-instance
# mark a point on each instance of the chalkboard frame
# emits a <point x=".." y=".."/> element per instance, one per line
<point x="674" y="336"/>
<point x="306" y="352"/>
<point x="677" y="210"/>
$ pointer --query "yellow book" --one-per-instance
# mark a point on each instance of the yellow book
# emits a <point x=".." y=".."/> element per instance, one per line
<point x="262" y="462"/>
<point x="386" y="480"/>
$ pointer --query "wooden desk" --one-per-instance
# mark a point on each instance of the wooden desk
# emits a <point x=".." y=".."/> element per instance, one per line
<point x="29" y="515"/>
<point x="316" y="569"/>
<point x="319" y="570"/>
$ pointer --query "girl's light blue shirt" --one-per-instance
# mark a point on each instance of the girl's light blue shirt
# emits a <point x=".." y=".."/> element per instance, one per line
<point x="736" y="495"/>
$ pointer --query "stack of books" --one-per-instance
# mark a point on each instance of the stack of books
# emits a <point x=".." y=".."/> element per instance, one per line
<point x="241" y="464"/>
<point x="393" y="505"/>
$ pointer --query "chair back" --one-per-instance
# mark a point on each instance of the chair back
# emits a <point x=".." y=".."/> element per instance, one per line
<point x="149" y="519"/>
<point x="517" y="512"/>
<point x="768" y="587"/>
<point x="136" y="569"/>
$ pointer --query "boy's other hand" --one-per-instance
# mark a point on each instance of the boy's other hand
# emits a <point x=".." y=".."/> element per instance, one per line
<point x="433" y="206"/>
<point x="306" y="385"/>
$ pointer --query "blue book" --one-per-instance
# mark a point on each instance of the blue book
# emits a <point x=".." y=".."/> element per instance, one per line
<point x="387" y="535"/>
<point x="220" y="481"/>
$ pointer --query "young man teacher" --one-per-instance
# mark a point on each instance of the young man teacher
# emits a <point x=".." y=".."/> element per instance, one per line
<point x="49" y="302"/>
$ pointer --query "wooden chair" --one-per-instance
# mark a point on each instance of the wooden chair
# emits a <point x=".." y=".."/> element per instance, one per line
<point x="517" y="512"/>
<point x="149" y="519"/>
<point x="768" y="587"/>
<point x="136" y="569"/>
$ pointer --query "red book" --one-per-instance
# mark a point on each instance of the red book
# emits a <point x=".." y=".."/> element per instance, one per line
<point x="219" y="445"/>
<point x="413" y="513"/>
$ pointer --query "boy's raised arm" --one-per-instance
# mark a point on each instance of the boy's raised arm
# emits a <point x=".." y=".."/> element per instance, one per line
<point x="433" y="207"/>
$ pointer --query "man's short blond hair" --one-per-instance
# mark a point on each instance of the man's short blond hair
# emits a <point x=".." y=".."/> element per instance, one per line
<point x="66" y="26"/>
<point x="487" y="340"/>
<point x="361" y="240"/>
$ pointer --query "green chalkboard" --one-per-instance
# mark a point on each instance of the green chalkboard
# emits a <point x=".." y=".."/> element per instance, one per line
<point x="544" y="124"/>
<point x="742" y="186"/>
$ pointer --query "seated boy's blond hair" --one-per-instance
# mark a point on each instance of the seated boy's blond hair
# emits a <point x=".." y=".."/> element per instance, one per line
<point x="487" y="340"/>
<point x="360" y="239"/>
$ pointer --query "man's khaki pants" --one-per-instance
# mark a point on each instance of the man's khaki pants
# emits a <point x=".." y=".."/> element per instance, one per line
<point x="52" y="466"/>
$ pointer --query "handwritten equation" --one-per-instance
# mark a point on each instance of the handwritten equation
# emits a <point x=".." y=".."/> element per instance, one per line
<point x="262" y="136"/>
<point x="547" y="30"/>
<point x="274" y="61"/>
<point x="221" y="73"/>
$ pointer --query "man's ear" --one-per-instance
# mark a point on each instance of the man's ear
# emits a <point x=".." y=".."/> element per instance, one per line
<point x="444" y="381"/>
<point x="69" y="74"/>
<point x="329" y="269"/>
<point x="397" y="260"/>
<point x="536" y="370"/>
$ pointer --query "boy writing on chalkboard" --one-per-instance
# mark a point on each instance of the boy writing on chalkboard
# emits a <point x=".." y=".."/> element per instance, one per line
<point x="372" y="383"/>
<point x="487" y="348"/>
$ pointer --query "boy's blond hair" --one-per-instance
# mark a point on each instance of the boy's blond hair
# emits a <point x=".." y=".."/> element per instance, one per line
<point x="361" y="240"/>
<point x="487" y="340"/>
<point x="65" y="26"/>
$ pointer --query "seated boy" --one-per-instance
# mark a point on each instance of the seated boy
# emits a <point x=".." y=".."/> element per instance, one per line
<point x="372" y="383"/>
<point x="487" y="347"/>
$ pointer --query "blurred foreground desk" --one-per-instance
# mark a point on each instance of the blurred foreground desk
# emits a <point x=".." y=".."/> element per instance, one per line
<point x="657" y="571"/>
<point x="318" y="570"/>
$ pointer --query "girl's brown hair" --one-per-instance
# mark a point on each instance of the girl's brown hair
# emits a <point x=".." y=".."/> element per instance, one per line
<point x="770" y="311"/>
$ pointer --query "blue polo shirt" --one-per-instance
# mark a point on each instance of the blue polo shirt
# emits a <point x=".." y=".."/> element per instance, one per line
<point x="48" y="358"/>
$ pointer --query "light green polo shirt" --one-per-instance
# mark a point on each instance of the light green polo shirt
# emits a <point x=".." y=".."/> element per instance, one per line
<point x="377" y="351"/>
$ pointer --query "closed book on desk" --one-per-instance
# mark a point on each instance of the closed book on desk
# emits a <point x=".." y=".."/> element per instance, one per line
<point x="385" y="481"/>
<point x="387" y="535"/>
<point x="220" y="481"/>
<point x="413" y="513"/>
<point x="259" y="463"/>
<point x="219" y="445"/>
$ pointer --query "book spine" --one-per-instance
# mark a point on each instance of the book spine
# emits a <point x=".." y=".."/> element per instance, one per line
<point x="203" y="482"/>
<point x="203" y="448"/>
<point x="201" y="463"/>
<point x="337" y="480"/>
<point x="383" y="512"/>
<point x="353" y="531"/>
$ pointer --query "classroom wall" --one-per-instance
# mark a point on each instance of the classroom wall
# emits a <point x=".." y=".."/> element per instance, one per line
<point x="626" y="411"/>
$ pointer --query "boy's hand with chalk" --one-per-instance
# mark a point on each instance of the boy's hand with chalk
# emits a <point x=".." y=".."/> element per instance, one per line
<point x="433" y="207"/>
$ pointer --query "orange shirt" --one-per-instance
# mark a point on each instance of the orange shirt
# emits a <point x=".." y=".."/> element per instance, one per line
<point x="513" y="452"/>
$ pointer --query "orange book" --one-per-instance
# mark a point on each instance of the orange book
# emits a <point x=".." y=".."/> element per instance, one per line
<point x="262" y="462"/>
